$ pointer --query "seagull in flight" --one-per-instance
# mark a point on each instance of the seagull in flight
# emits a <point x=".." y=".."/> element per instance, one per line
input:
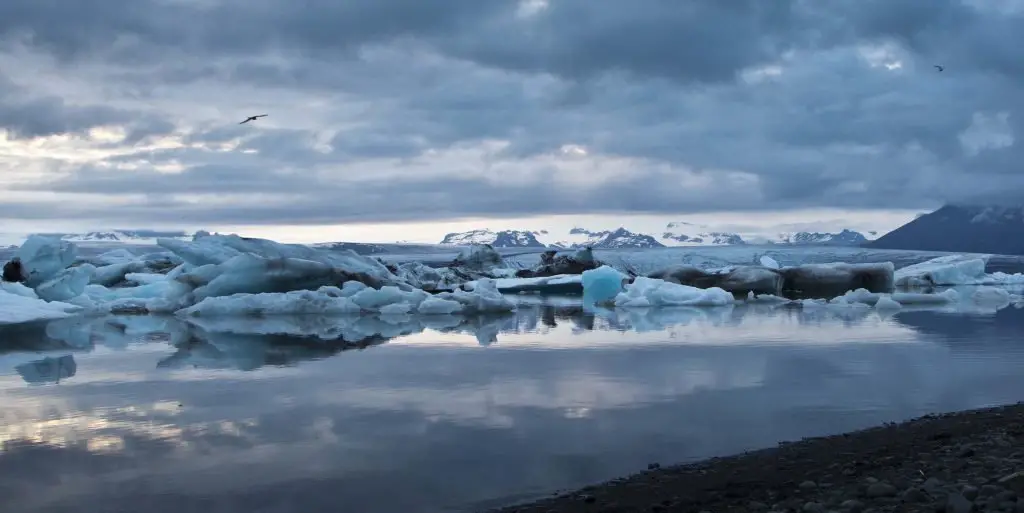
<point x="940" y="68"/>
<point x="253" y="118"/>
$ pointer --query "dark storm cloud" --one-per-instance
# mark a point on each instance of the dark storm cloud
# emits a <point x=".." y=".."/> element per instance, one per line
<point x="363" y="88"/>
<point x="24" y="115"/>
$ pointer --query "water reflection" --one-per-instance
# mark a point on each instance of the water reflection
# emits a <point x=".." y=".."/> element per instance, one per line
<point x="47" y="370"/>
<point x="406" y="414"/>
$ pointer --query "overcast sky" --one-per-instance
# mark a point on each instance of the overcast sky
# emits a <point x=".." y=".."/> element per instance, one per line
<point x="125" y="112"/>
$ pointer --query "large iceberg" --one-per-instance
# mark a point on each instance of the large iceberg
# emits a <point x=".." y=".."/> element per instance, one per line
<point x="648" y="292"/>
<point x="953" y="270"/>
<point x="227" y="275"/>
<point x="42" y="258"/>
<point x="811" y="280"/>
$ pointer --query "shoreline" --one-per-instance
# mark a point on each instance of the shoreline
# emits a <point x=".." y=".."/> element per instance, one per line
<point x="957" y="462"/>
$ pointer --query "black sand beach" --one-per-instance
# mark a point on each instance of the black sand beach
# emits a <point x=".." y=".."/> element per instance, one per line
<point x="957" y="463"/>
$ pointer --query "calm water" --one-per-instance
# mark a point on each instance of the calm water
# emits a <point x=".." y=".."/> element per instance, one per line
<point x="139" y="414"/>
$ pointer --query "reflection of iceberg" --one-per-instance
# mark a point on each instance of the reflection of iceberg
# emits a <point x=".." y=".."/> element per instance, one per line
<point x="210" y="350"/>
<point x="47" y="370"/>
<point x="37" y="337"/>
<point x="248" y="344"/>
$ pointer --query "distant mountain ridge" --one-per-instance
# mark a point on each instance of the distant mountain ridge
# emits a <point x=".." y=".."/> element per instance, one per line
<point x="674" y="234"/>
<point x="961" y="229"/>
<point x="122" y="236"/>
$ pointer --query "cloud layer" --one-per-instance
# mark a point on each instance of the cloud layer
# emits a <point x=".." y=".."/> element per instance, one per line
<point x="400" y="110"/>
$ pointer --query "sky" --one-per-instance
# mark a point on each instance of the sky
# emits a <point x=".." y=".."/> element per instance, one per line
<point x="403" y="119"/>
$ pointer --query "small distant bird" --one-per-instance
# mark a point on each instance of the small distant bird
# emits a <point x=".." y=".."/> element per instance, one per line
<point x="940" y="68"/>
<point x="253" y="118"/>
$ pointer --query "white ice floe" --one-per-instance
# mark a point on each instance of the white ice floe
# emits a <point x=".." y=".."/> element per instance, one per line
<point x="953" y="270"/>
<point x="650" y="292"/>
<point x="561" y="283"/>
<point x="20" y="308"/>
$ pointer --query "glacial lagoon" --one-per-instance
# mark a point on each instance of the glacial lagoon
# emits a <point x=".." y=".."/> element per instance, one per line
<point x="380" y="415"/>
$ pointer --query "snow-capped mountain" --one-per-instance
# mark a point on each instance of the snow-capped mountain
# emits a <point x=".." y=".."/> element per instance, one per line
<point x="608" y="239"/>
<point x="680" y="233"/>
<point x="843" y="238"/>
<point x="147" y="237"/>
<point x="674" y="234"/>
<point x="689" y="234"/>
<point x="502" y="239"/>
<point x="961" y="229"/>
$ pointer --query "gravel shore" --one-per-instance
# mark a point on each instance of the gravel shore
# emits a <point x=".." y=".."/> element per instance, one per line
<point x="956" y="463"/>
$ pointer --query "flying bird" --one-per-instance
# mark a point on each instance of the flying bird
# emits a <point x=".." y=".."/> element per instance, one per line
<point x="940" y="68"/>
<point x="253" y="118"/>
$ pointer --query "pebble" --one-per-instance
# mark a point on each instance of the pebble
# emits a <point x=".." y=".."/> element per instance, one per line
<point x="969" y="492"/>
<point x="915" y="494"/>
<point x="1014" y="481"/>
<point x="852" y="505"/>
<point x="813" y="507"/>
<point x="957" y="503"/>
<point x="879" y="489"/>
<point x="808" y="485"/>
<point x="989" y="490"/>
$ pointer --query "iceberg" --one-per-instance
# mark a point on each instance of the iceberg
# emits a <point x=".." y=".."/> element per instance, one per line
<point x="649" y="292"/>
<point x="992" y="296"/>
<point x="769" y="262"/>
<point x="67" y="284"/>
<point x="42" y="258"/>
<point x="553" y="264"/>
<point x="952" y="270"/>
<point x="827" y="280"/>
<point x="603" y="283"/>
<point x="233" y="276"/>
